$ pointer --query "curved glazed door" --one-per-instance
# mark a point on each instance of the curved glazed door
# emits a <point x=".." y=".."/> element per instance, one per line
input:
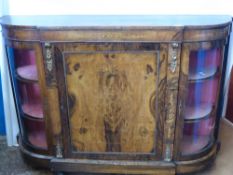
<point x="199" y="93"/>
<point x="25" y="62"/>
<point x="113" y="97"/>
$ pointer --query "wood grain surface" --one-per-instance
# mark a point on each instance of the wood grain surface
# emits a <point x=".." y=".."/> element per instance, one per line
<point x="111" y="98"/>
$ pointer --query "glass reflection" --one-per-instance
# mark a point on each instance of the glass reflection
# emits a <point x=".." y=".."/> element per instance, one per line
<point x="199" y="112"/>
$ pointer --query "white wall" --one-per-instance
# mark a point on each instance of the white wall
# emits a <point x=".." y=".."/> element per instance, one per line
<point x="9" y="106"/>
<point x="120" y="7"/>
<point x="48" y="7"/>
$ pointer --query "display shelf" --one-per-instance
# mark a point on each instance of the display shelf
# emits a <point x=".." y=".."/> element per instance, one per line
<point x="35" y="132"/>
<point x="191" y="145"/>
<point x="20" y="79"/>
<point x="197" y="135"/>
<point x="28" y="72"/>
<point x="30" y="98"/>
<point x="199" y="127"/>
<point x="38" y="139"/>
<point x="205" y="74"/>
<point x="197" y="112"/>
<point x="34" y="110"/>
<point x="200" y="99"/>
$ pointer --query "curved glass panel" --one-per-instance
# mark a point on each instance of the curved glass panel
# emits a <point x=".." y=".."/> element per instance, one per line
<point x="28" y="97"/>
<point x="35" y="132"/>
<point x="201" y="100"/>
<point x="25" y="64"/>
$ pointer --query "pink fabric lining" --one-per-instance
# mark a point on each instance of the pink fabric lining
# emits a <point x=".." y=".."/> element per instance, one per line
<point x="24" y="57"/>
<point x="31" y="99"/>
<point x="35" y="131"/>
<point x="34" y="110"/>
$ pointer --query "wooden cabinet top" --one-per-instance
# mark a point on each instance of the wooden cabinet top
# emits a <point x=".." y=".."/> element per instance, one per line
<point x="116" y="20"/>
<point x="116" y="28"/>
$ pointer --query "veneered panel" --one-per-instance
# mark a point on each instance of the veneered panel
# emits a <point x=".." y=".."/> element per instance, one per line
<point x="112" y="101"/>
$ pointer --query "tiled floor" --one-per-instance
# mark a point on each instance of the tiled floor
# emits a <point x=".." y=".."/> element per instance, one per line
<point x="12" y="164"/>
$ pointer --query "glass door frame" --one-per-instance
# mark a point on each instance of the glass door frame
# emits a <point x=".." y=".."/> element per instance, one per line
<point x="36" y="47"/>
<point x="183" y="90"/>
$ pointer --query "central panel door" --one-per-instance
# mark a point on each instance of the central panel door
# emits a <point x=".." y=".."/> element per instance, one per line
<point x="112" y="100"/>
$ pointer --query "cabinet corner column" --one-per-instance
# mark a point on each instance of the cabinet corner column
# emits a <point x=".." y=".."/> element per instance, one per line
<point x="173" y="69"/>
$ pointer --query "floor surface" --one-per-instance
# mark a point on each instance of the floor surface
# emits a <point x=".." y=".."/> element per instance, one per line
<point x="224" y="162"/>
<point x="11" y="162"/>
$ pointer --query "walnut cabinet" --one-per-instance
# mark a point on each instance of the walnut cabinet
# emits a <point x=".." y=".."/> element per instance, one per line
<point x="117" y="94"/>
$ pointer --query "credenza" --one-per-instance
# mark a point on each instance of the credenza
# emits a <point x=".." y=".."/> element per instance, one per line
<point x="117" y="94"/>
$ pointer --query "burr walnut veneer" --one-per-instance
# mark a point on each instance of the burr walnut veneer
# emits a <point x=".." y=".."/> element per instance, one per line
<point x="117" y="94"/>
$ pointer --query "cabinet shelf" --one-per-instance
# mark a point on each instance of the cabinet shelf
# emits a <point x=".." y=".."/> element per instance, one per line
<point x="38" y="139"/>
<point x="27" y="73"/>
<point x="32" y="117"/>
<point x="35" y="132"/>
<point x="208" y="73"/>
<point x="198" y="112"/>
<point x="192" y="146"/>
<point x="33" y="110"/>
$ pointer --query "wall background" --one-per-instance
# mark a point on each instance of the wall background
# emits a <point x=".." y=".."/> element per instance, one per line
<point x="2" y="114"/>
<point x="2" y="121"/>
<point x="59" y="7"/>
<point x="11" y="123"/>
<point x="120" y="7"/>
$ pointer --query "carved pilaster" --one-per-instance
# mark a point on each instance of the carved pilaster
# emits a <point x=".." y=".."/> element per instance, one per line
<point x="171" y="96"/>
<point x="49" y="65"/>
